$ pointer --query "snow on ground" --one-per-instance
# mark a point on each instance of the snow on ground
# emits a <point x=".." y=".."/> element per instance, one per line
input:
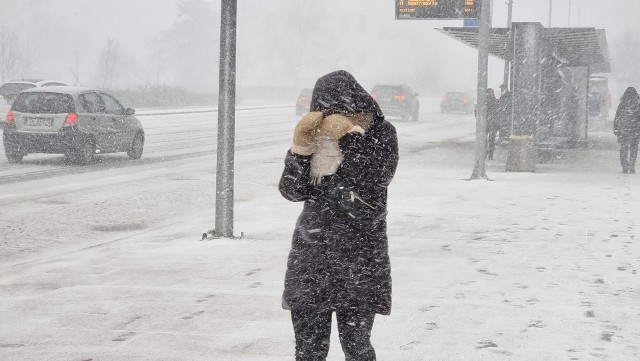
<point x="527" y="266"/>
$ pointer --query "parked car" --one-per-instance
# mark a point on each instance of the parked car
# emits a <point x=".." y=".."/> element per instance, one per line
<point x="10" y="89"/>
<point x="303" y="102"/>
<point x="75" y="121"/>
<point x="397" y="101"/>
<point x="457" y="102"/>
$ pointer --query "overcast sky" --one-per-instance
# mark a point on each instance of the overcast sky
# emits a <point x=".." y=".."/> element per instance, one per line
<point x="69" y="34"/>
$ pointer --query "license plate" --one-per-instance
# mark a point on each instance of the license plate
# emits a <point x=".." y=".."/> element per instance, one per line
<point x="39" y="122"/>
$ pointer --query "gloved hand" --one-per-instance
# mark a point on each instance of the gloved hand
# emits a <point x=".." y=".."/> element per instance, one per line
<point x="335" y="126"/>
<point x="304" y="134"/>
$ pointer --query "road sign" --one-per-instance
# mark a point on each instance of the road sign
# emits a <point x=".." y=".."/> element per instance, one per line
<point x="471" y="23"/>
<point x="437" y="9"/>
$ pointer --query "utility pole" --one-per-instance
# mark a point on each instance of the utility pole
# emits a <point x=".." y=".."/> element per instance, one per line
<point x="479" y="171"/>
<point x="550" y="6"/>
<point x="507" y="60"/>
<point x="226" y="120"/>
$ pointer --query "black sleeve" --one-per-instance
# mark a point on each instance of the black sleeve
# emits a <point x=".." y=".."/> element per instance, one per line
<point x="294" y="182"/>
<point x="370" y="162"/>
<point x="616" y="120"/>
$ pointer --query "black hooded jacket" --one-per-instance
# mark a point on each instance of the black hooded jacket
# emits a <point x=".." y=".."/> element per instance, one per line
<point x="333" y="264"/>
<point x="626" y="123"/>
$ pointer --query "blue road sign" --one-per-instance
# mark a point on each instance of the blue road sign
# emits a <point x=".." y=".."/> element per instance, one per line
<point x="471" y="22"/>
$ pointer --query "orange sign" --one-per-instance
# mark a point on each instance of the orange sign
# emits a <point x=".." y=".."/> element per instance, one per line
<point x="437" y="9"/>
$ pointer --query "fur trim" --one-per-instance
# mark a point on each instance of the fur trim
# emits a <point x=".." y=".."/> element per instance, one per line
<point x="327" y="155"/>
<point x="326" y="158"/>
<point x="357" y="129"/>
<point x="302" y="150"/>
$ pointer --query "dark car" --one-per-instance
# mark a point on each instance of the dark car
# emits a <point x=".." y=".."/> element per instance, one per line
<point x="457" y="102"/>
<point x="303" y="102"/>
<point x="75" y="121"/>
<point x="10" y="89"/>
<point x="397" y="101"/>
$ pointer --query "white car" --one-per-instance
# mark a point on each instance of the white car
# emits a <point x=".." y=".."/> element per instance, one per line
<point x="10" y="89"/>
<point x="75" y="121"/>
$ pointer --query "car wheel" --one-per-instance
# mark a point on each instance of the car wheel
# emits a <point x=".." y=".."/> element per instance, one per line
<point x="85" y="152"/>
<point x="12" y="151"/>
<point x="14" y="157"/>
<point x="137" y="146"/>
<point x="415" y="115"/>
<point x="406" y="115"/>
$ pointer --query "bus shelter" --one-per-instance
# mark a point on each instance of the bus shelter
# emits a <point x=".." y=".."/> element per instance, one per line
<point x="548" y="82"/>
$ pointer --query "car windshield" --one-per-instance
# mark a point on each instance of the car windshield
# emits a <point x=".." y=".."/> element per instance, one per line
<point x="386" y="90"/>
<point x="43" y="103"/>
<point x="456" y="95"/>
<point x="14" y="88"/>
<point x="306" y="92"/>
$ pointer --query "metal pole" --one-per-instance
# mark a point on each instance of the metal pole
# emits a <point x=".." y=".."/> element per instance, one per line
<point x="226" y="120"/>
<point x="507" y="60"/>
<point x="550" y="6"/>
<point x="481" y="109"/>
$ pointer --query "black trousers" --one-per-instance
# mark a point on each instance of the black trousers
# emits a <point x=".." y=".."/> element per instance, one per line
<point x="491" y="142"/>
<point x="628" y="152"/>
<point x="312" y="328"/>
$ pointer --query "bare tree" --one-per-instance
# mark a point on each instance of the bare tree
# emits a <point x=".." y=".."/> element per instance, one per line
<point x="26" y="56"/>
<point x="9" y="53"/>
<point x="159" y="54"/>
<point x="75" y="68"/>
<point x="300" y="42"/>
<point x="109" y="63"/>
<point x="194" y="46"/>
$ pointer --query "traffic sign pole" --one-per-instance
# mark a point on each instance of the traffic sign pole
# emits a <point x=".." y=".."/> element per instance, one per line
<point x="226" y="121"/>
<point x="479" y="171"/>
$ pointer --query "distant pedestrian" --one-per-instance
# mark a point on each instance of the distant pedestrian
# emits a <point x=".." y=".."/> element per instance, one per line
<point x="626" y="127"/>
<point x="343" y="157"/>
<point x="493" y="122"/>
<point x="504" y="114"/>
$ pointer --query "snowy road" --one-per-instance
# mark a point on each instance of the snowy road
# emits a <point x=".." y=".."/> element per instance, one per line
<point x="108" y="264"/>
<point x="49" y="205"/>
<point x="168" y="137"/>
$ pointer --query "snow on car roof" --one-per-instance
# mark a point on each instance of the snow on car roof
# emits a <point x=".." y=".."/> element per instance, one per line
<point x="69" y="89"/>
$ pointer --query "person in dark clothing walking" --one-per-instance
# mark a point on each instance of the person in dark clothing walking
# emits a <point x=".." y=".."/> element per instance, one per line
<point x="339" y="259"/>
<point x="626" y="127"/>
<point x="493" y="122"/>
<point x="504" y="114"/>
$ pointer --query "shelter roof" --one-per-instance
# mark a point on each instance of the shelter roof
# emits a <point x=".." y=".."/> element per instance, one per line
<point x="572" y="46"/>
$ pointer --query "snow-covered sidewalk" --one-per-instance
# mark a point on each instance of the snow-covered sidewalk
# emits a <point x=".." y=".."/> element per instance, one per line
<point x="527" y="266"/>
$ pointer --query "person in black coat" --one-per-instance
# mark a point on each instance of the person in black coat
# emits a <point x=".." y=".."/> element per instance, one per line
<point x="339" y="259"/>
<point x="626" y="127"/>
<point x="493" y="122"/>
<point x="504" y="114"/>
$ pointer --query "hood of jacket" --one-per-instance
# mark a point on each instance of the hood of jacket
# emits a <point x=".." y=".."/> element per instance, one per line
<point x="630" y="97"/>
<point x="339" y="92"/>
